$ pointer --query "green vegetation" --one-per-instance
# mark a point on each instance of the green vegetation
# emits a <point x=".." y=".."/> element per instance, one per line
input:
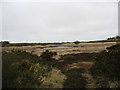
<point x="106" y="67"/>
<point x="47" y="59"/>
<point x="31" y="44"/>
<point x="74" y="58"/>
<point x="7" y="43"/>
<point x="114" y="47"/>
<point x="26" y="70"/>
<point x="111" y="39"/>
<point x="75" y="79"/>
<point x="4" y="43"/>
<point x="117" y="38"/>
<point x="47" y="55"/>
<point x="22" y="69"/>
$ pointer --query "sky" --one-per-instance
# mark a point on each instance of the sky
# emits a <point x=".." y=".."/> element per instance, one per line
<point x="60" y="21"/>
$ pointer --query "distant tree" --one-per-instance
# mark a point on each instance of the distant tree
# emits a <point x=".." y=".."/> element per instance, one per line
<point x="5" y="43"/>
<point x="76" y="42"/>
<point x="108" y="38"/>
<point x="117" y="37"/>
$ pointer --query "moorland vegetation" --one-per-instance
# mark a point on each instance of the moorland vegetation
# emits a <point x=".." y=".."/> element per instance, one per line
<point x="22" y="69"/>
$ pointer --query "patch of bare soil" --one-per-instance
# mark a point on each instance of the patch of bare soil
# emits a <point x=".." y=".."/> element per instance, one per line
<point x="85" y="65"/>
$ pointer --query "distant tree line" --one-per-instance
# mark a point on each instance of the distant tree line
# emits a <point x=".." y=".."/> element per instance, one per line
<point x="116" y="37"/>
<point x="4" y="43"/>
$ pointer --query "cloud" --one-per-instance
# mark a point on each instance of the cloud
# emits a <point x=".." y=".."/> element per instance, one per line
<point x="59" y="21"/>
<point x="59" y="0"/>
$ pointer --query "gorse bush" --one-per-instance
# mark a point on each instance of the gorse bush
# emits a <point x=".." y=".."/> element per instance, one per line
<point x="47" y="55"/>
<point x="107" y="64"/>
<point x="47" y="59"/>
<point x="114" y="47"/>
<point x="75" y="79"/>
<point x="21" y="69"/>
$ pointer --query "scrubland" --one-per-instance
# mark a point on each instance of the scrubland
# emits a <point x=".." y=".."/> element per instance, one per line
<point x="86" y="65"/>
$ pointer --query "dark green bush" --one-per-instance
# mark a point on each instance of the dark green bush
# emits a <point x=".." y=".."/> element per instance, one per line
<point x="114" y="47"/>
<point x="69" y="57"/>
<point x="5" y="43"/>
<point x="75" y="79"/>
<point x="47" y="55"/>
<point x="21" y="69"/>
<point x="107" y="63"/>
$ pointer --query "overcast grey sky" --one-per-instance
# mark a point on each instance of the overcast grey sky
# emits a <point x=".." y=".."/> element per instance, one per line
<point x="58" y="21"/>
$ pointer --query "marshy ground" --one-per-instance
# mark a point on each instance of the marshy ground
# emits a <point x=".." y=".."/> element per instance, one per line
<point x="79" y="48"/>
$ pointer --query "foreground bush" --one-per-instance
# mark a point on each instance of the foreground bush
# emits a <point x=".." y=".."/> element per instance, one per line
<point x="107" y="64"/>
<point x="75" y="79"/>
<point x="23" y="70"/>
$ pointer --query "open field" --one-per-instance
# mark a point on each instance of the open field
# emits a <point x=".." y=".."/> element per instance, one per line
<point x="79" y="48"/>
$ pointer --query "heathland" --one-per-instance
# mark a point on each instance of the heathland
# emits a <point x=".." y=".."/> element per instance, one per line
<point x="61" y="65"/>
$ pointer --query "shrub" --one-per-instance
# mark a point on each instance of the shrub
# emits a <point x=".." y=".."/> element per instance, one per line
<point x="75" y="79"/>
<point x="21" y="69"/>
<point x="107" y="64"/>
<point x="47" y="55"/>
<point x="69" y="57"/>
<point x="114" y="47"/>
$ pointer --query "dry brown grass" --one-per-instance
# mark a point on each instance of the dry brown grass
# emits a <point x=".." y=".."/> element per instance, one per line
<point x="83" y="48"/>
<point x="85" y="65"/>
<point x="55" y="79"/>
